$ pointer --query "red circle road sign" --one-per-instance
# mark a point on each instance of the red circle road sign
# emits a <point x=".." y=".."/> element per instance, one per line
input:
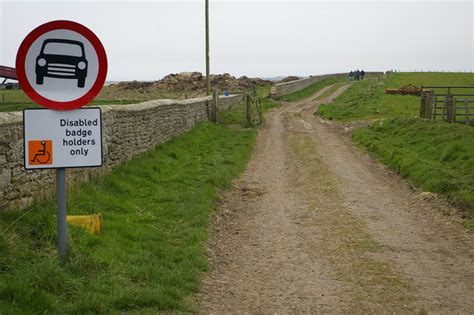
<point x="61" y="65"/>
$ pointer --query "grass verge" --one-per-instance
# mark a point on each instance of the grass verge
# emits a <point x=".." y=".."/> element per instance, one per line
<point x="436" y="156"/>
<point x="367" y="99"/>
<point x="151" y="254"/>
<point x="310" y="90"/>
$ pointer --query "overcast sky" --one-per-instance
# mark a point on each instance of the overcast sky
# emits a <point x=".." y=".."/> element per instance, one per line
<point x="146" y="40"/>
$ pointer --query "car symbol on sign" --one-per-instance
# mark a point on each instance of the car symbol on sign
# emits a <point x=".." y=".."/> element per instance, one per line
<point x="62" y="59"/>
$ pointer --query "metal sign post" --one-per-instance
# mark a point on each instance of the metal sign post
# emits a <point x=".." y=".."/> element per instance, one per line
<point x="61" y="203"/>
<point x="62" y="65"/>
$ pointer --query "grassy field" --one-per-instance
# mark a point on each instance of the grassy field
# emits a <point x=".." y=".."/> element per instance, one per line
<point x="150" y="256"/>
<point x="12" y="107"/>
<point x="436" y="156"/>
<point x="367" y="99"/>
<point x="310" y="90"/>
<point x="15" y="100"/>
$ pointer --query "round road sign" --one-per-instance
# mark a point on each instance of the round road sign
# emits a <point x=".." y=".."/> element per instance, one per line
<point x="61" y="65"/>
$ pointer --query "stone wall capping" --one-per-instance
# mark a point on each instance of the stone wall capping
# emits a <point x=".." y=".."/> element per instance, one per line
<point x="11" y="118"/>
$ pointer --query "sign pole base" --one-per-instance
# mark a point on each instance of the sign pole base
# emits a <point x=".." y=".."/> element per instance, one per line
<point x="61" y="202"/>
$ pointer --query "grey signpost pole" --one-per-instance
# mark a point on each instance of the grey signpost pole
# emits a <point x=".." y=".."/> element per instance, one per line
<point x="61" y="202"/>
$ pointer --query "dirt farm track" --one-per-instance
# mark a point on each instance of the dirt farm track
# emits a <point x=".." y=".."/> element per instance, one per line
<point x="315" y="225"/>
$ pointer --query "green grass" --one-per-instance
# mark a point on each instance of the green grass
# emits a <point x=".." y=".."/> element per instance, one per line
<point x="397" y="80"/>
<point x="16" y="100"/>
<point x="436" y="156"/>
<point x="150" y="256"/>
<point x="263" y="91"/>
<point x="367" y="99"/>
<point x="310" y="90"/>
<point x="268" y="104"/>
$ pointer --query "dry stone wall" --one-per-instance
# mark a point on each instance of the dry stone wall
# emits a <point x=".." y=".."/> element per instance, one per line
<point x="128" y="130"/>
<point x="285" y="88"/>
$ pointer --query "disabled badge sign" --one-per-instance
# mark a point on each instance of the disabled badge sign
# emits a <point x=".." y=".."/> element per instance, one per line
<point x="61" y="65"/>
<point x="57" y="139"/>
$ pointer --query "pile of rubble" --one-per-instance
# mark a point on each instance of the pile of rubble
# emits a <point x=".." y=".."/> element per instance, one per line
<point x="196" y="81"/>
<point x="193" y="81"/>
<point x="133" y="85"/>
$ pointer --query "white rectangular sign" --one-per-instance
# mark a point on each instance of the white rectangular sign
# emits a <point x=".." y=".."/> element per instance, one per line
<point x="56" y="139"/>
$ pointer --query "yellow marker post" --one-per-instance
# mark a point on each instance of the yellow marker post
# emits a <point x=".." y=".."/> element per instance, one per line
<point x="91" y="223"/>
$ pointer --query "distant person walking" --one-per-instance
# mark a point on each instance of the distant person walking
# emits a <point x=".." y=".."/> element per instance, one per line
<point x="357" y="74"/>
<point x="362" y="74"/>
<point x="351" y="75"/>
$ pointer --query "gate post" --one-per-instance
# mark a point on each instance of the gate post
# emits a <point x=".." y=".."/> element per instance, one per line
<point x="248" y="108"/>
<point x="430" y="104"/>
<point x="423" y="104"/>
<point x="427" y="103"/>
<point x="449" y="108"/>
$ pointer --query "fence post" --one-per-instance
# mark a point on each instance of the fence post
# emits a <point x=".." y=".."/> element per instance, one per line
<point x="428" y="100"/>
<point x="215" y="105"/>
<point x="466" y="111"/>
<point x="423" y="104"/>
<point x="449" y="108"/>
<point x="430" y="105"/>
<point x="248" y="102"/>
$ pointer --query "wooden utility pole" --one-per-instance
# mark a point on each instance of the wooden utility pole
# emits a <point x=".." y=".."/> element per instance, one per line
<point x="208" y="82"/>
<point x="215" y="106"/>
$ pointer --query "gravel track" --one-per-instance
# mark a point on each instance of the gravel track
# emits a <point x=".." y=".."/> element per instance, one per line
<point x="314" y="225"/>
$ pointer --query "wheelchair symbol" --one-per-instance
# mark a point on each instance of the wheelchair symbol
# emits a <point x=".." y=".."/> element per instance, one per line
<point x="40" y="152"/>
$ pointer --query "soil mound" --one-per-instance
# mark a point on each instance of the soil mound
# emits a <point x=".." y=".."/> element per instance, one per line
<point x="195" y="81"/>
